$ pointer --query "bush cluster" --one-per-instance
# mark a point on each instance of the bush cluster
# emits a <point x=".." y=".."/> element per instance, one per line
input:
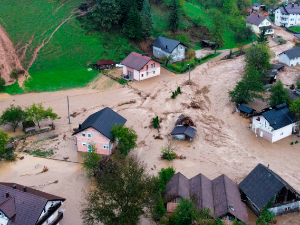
<point x="175" y="93"/>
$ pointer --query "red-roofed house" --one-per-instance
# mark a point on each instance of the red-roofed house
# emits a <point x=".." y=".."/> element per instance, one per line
<point x="139" y="67"/>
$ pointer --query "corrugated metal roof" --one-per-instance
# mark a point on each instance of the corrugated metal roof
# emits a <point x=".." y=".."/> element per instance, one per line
<point x="102" y="121"/>
<point x="136" y="61"/>
<point x="292" y="53"/>
<point x="165" y="44"/>
<point x="245" y="109"/>
<point x="105" y="62"/>
<point x="255" y="19"/>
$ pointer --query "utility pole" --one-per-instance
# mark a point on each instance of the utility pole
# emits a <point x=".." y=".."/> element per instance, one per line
<point x="189" y="74"/>
<point x="68" y="110"/>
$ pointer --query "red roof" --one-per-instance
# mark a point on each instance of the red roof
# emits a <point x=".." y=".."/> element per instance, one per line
<point x="105" y="62"/>
<point x="136" y="61"/>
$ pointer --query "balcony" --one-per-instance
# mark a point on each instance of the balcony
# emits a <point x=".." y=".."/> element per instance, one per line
<point x="59" y="217"/>
<point x="127" y="77"/>
<point x="151" y="69"/>
<point x="284" y="16"/>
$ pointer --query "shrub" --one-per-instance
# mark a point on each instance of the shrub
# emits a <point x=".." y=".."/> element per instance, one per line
<point x="298" y="85"/>
<point x="83" y="6"/>
<point x="91" y="161"/>
<point x="159" y="209"/>
<point x="6" y="153"/>
<point x="292" y="87"/>
<point x="155" y="122"/>
<point x="165" y="175"/>
<point x="168" y="152"/>
<point x="2" y="83"/>
<point x="122" y="81"/>
<point x="183" y="38"/>
<point x="296" y="142"/>
<point x="292" y="143"/>
<point x="198" y="21"/>
<point x="179" y="90"/>
<point x="15" y="72"/>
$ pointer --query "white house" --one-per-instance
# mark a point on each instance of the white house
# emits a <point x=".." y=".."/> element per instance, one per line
<point x="258" y="23"/>
<point x="20" y="205"/>
<point x="288" y="15"/>
<point x="167" y="47"/>
<point x="139" y="67"/>
<point x="256" y="6"/>
<point x="274" y="124"/>
<point x="290" y="57"/>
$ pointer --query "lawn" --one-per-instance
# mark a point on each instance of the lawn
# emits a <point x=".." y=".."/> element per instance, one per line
<point x="61" y="62"/>
<point x="296" y="29"/>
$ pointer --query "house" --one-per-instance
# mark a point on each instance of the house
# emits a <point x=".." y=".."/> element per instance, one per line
<point x="167" y="47"/>
<point x="288" y="15"/>
<point x="104" y="64"/>
<point x="244" y="110"/>
<point x="139" y="67"/>
<point x="21" y="205"/>
<point x="220" y="195"/>
<point x="257" y="7"/>
<point x="259" y="23"/>
<point x="184" y="128"/>
<point x="275" y="123"/>
<point x="262" y="186"/>
<point x="294" y="94"/>
<point x="290" y="57"/>
<point x="297" y="38"/>
<point x="96" y="129"/>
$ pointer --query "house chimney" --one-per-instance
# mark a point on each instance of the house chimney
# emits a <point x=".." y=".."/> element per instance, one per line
<point x="258" y="15"/>
<point x="14" y="186"/>
<point x="274" y="123"/>
<point x="292" y="5"/>
<point x="7" y="194"/>
<point x="166" y="46"/>
<point x="25" y="189"/>
<point x="79" y="127"/>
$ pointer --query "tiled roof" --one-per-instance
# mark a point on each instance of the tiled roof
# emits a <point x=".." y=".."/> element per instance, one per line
<point x="165" y="44"/>
<point x="24" y="208"/>
<point x="105" y="62"/>
<point x="290" y="9"/>
<point x="255" y="19"/>
<point x="261" y="185"/>
<point x="102" y="121"/>
<point x="280" y="117"/>
<point x="220" y="195"/>
<point x="292" y="53"/>
<point x="136" y="61"/>
<point x="297" y="36"/>
<point x="245" y="108"/>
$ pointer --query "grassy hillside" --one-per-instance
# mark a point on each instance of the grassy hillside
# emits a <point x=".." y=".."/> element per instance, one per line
<point x="296" y="29"/>
<point x="60" y="63"/>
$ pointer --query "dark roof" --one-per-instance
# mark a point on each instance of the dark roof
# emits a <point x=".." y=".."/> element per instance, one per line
<point x="178" y="186"/>
<point x="245" y="109"/>
<point x="289" y="9"/>
<point x="292" y="53"/>
<point x="219" y="195"/>
<point x="293" y="95"/>
<point x="8" y="207"/>
<point x="102" y="121"/>
<point x="227" y="199"/>
<point x="136" y="61"/>
<point x="187" y="130"/>
<point x="24" y="208"/>
<point x="165" y="44"/>
<point x="256" y="4"/>
<point x="255" y="19"/>
<point x="297" y="36"/>
<point x="105" y="62"/>
<point x="277" y="66"/>
<point x="280" y="117"/>
<point x="261" y="185"/>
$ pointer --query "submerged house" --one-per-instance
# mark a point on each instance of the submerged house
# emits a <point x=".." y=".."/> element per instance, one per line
<point x="262" y="186"/>
<point x="275" y="123"/>
<point x="259" y="23"/>
<point x="184" y="128"/>
<point x="167" y="47"/>
<point x="21" y="205"/>
<point x="220" y="195"/>
<point x="96" y="129"/>
<point x="290" y="57"/>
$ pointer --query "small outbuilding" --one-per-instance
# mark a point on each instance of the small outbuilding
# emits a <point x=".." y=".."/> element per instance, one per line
<point x="245" y="110"/>
<point x="290" y="57"/>
<point x="259" y="23"/>
<point x="184" y="128"/>
<point x="262" y="186"/>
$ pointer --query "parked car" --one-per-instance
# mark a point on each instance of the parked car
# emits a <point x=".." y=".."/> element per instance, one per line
<point x="119" y="65"/>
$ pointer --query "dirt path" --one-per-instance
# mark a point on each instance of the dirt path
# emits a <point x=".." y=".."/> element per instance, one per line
<point x="9" y="59"/>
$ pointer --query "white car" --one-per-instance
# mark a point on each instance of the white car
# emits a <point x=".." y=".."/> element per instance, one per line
<point x="119" y="65"/>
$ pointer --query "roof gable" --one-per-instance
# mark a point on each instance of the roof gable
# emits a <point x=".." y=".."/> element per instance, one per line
<point x="178" y="186"/>
<point x="102" y="121"/>
<point x="8" y="207"/>
<point x="136" y="61"/>
<point x="292" y="53"/>
<point x="165" y="44"/>
<point x="255" y="19"/>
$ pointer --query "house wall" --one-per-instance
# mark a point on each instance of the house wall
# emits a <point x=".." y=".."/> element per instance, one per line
<point x="136" y="75"/>
<point x="284" y="59"/>
<point x="126" y="69"/>
<point x="255" y="8"/>
<point x="177" y="54"/>
<point x="258" y="29"/>
<point x="286" y="20"/>
<point x="255" y="28"/>
<point x="3" y="219"/>
<point x="171" y="206"/>
<point x="179" y="136"/>
<point x="282" y="133"/>
<point x="96" y="138"/>
<point x="285" y="209"/>
<point x="151" y="72"/>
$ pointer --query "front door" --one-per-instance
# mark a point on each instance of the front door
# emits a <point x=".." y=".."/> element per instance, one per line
<point x="261" y="134"/>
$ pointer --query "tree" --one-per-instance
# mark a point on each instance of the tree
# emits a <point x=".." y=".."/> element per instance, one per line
<point x="167" y="59"/>
<point x="266" y="217"/>
<point x="13" y="116"/>
<point x="126" y="138"/>
<point x="258" y="56"/>
<point x="5" y="153"/>
<point x="243" y="4"/>
<point x="91" y="161"/>
<point x="174" y="15"/>
<point x="168" y="151"/>
<point x="217" y="31"/>
<point x="121" y="194"/>
<point x="248" y="88"/>
<point x="147" y="23"/>
<point x="295" y="107"/>
<point x="262" y="37"/>
<point x="38" y="113"/>
<point x="230" y="7"/>
<point x="248" y="31"/>
<point x="279" y="94"/>
<point x="133" y="25"/>
<point x="2" y="84"/>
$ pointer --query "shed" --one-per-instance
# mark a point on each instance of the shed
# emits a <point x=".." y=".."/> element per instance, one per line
<point x="245" y="109"/>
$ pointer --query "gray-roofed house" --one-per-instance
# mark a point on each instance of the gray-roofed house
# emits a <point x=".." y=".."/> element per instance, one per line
<point x="259" y="23"/>
<point x="275" y="123"/>
<point x="167" y="47"/>
<point x="290" y="57"/>
<point x="220" y="195"/>
<point x="96" y="129"/>
<point x="21" y="205"/>
<point x="184" y="128"/>
<point x="256" y="6"/>
<point x="262" y="186"/>
<point x="139" y="67"/>
<point x="288" y="15"/>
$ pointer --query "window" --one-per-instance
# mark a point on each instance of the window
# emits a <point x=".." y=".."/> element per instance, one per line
<point x="153" y="72"/>
<point x="130" y="73"/>
<point x="142" y="75"/>
<point x="105" y="146"/>
<point x="258" y="119"/>
<point x="89" y="135"/>
<point x="83" y="134"/>
<point x="287" y="209"/>
<point x="281" y="134"/>
<point x="84" y="144"/>
<point x="90" y="148"/>
<point x="292" y="19"/>
<point x="180" y="47"/>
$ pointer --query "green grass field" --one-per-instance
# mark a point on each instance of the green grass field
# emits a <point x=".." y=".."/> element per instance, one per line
<point x="296" y="29"/>
<point x="60" y="63"/>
